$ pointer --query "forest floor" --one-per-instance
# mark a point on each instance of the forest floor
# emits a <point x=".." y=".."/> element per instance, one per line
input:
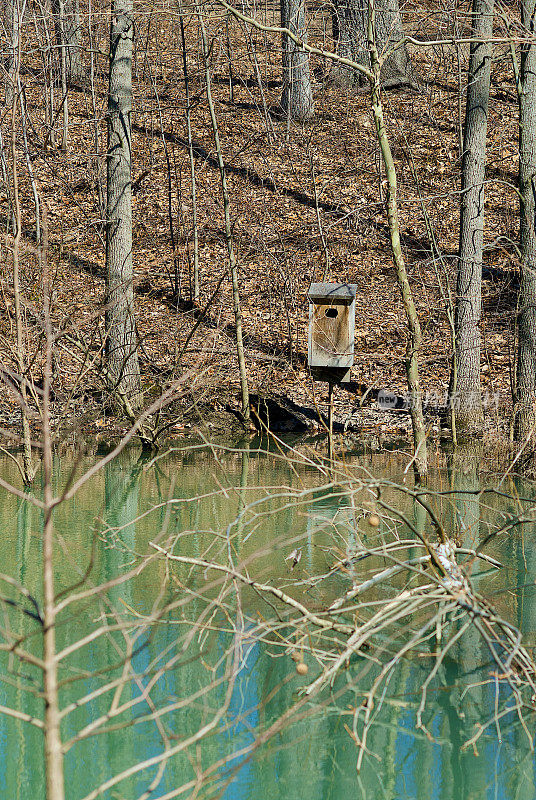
<point x="307" y="204"/>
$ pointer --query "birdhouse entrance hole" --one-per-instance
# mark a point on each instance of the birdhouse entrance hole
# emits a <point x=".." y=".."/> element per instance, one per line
<point x="332" y="312"/>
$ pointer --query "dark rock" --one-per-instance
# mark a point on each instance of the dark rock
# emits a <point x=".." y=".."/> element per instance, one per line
<point x="280" y="415"/>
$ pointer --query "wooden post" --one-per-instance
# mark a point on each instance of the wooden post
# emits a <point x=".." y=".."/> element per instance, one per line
<point x="330" y="423"/>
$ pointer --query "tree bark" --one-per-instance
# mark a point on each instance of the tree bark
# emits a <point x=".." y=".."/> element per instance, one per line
<point x="297" y="97"/>
<point x="350" y="31"/>
<point x="525" y="400"/>
<point x="121" y="344"/>
<point x="465" y="394"/>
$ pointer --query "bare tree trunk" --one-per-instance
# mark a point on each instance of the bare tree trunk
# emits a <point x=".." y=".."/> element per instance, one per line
<point x="465" y="396"/>
<point x="64" y="82"/>
<point x="121" y="344"/>
<point x="53" y="743"/>
<point x="414" y="329"/>
<point x="28" y="470"/>
<point x="525" y="400"/>
<point x="12" y="11"/>
<point x="297" y="97"/>
<point x="244" y="388"/>
<point x="69" y="40"/>
<point x="349" y="26"/>
<point x="195" y="286"/>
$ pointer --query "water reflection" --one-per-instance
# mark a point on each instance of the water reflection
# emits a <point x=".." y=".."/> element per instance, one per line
<point x="232" y="507"/>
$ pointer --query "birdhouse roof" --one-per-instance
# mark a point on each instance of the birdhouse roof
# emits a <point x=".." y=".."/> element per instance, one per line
<point x="332" y="292"/>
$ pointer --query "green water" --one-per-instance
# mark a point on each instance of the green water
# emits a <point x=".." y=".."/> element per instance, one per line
<point x="224" y="668"/>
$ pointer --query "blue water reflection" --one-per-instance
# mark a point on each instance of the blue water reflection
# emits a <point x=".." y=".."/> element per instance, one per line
<point x="313" y="757"/>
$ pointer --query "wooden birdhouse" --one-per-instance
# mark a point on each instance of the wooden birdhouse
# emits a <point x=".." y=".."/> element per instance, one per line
<point x="331" y="330"/>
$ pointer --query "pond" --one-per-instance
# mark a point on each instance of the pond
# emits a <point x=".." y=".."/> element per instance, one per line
<point x="180" y="680"/>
